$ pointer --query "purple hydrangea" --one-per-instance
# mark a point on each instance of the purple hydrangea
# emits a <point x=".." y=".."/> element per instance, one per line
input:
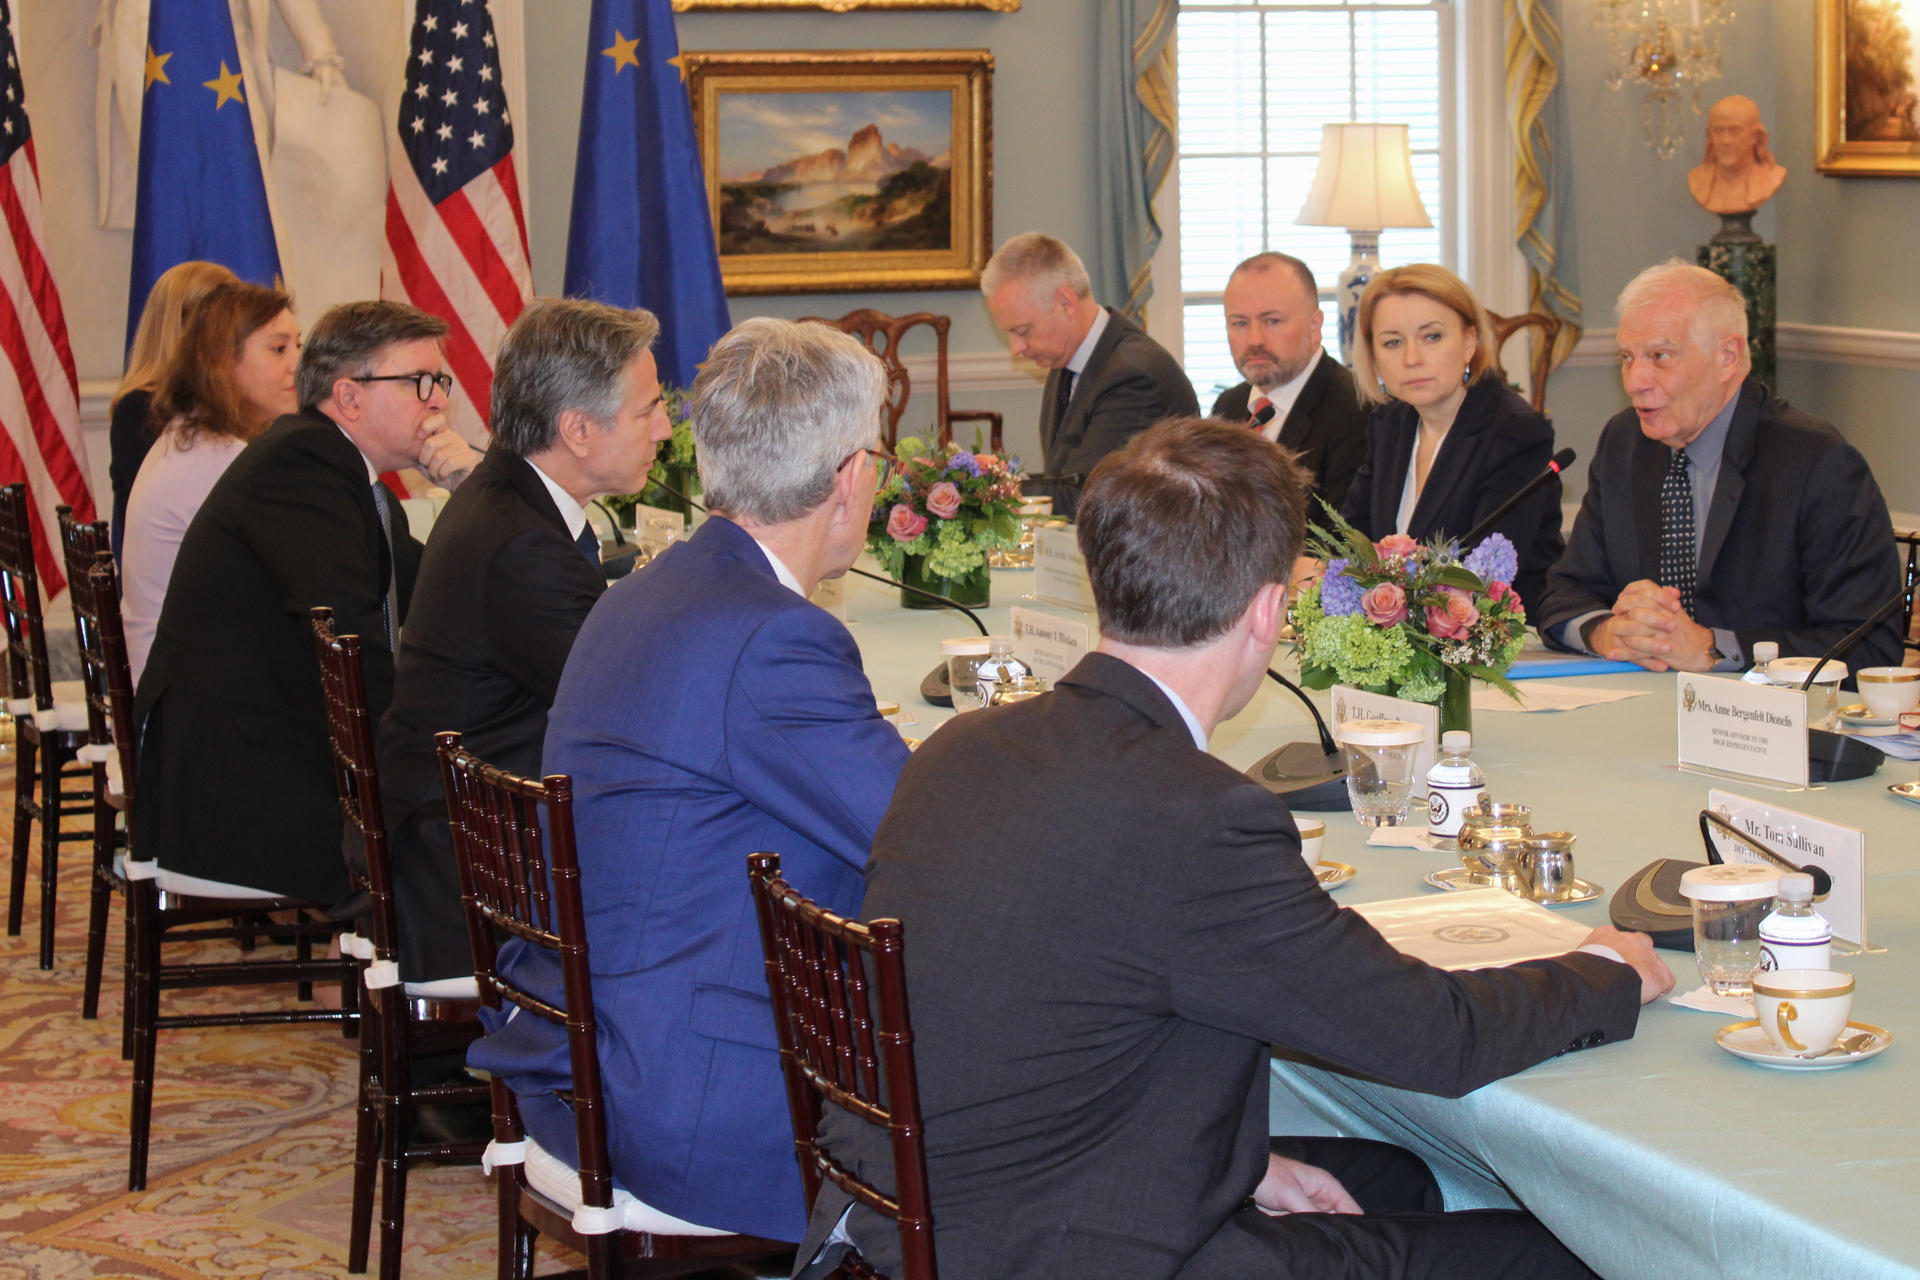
<point x="1339" y="594"/>
<point x="1494" y="560"/>
<point x="966" y="462"/>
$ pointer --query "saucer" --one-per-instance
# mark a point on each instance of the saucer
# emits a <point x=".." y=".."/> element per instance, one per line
<point x="1859" y="717"/>
<point x="1333" y="874"/>
<point x="1908" y="791"/>
<point x="1747" y="1040"/>
<point x="1454" y="879"/>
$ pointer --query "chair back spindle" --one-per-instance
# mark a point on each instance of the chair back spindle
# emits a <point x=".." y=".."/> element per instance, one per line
<point x="846" y="1038"/>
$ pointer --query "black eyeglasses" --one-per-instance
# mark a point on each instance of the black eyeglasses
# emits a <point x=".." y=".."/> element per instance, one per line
<point x="423" y="383"/>
<point x="882" y="465"/>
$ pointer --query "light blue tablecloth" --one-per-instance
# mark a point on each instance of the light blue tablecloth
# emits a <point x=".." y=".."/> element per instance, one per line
<point x="1664" y="1156"/>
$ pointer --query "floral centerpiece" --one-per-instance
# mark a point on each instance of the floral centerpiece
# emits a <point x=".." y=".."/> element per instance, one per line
<point x="1413" y="620"/>
<point x="938" y="515"/>
<point x="674" y="465"/>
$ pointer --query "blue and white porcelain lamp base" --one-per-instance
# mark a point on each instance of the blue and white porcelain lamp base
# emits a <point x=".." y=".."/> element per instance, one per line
<point x="1353" y="283"/>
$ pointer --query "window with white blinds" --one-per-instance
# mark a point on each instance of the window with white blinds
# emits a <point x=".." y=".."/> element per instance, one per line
<point x="1257" y="79"/>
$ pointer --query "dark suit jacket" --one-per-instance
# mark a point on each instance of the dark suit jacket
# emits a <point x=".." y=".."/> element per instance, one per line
<point x="129" y="438"/>
<point x="1326" y="429"/>
<point x="236" y="781"/>
<point x="706" y="712"/>
<point x="503" y="589"/>
<point x="1130" y="383"/>
<point x="1497" y="443"/>
<point x="1097" y="961"/>
<point x="1798" y="547"/>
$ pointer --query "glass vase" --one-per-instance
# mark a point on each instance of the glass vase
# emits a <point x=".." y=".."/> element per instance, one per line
<point x="1456" y="701"/>
<point x="969" y="589"/>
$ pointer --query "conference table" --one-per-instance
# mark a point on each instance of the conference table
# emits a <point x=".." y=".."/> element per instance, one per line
<point x="1660" y="1156"/>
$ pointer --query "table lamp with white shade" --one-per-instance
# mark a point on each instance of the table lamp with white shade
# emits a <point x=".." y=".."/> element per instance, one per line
<point x="1364" y="183"/>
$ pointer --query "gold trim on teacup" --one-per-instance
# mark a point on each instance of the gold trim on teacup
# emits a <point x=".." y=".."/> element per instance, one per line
<point x="1800" y="993"/>
<point x="1896" y="675"/>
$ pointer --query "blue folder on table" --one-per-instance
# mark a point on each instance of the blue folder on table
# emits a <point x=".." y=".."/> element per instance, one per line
<point x="1570" y="665"/>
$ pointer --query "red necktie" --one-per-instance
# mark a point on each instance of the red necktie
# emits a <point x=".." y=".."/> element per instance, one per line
<point x="1253" y="412"/>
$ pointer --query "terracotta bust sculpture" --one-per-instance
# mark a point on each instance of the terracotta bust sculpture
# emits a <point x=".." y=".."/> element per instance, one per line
<point x="1739" y="173"/>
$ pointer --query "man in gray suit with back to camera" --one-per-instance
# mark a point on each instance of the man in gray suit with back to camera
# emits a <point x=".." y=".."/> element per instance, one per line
<point x="1274" y="324"/>
<point x="1098" y="960"/>
<point x="1107" y="381"/>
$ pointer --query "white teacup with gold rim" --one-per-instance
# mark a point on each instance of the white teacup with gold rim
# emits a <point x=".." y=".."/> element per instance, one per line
<point x="1803" y="1011"/>
<point x="1889" y="691"/>
<point x="1313" y="838"/>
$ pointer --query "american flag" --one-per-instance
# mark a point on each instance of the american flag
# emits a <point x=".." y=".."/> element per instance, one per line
<point x="39" y="390"/>
<point x="456" y="237"/>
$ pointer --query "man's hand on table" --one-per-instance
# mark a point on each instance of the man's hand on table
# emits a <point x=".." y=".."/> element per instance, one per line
<point x="1293" y="1187"/>
<point x="1648" y="627"/>
<point x="1636" y="949"/>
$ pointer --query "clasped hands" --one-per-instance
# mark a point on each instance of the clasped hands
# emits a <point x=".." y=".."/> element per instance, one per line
<point x="1648" y="627"/>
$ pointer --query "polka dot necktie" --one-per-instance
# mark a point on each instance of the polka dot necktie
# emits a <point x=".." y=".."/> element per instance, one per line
<point x="1253" y="412"/>
<point x="1679" y="563"/>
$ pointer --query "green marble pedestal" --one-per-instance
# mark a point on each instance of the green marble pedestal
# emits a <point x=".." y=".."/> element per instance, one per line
<point x="1737" y="255"/>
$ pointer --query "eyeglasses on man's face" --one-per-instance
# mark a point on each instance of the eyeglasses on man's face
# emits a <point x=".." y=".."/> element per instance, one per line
<point x="882" y="464"/>
<point x="424" y="383"/>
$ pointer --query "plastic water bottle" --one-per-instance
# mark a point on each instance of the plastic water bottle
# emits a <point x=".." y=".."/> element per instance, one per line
<point x="1794" y="935"/>
<point x="1764" y="651"/>
<point x="1453" y="784"/>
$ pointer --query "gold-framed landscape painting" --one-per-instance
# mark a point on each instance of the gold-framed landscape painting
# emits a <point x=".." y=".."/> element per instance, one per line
<point x="844" y="6"/>
<point x="847" y="171"/>
<point x="1867" y="87"/>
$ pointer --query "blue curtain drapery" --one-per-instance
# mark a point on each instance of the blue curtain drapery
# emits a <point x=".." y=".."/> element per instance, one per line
<point x="1133" y="83"/>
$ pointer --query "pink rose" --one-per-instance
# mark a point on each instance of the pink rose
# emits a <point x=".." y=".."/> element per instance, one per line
<point x="1498" y="591"/>
<point x="1385" y="605"/>
<point x="944" y="500"/>
<point x="1453" y="617"/>
<point x="1396" y="544"/>
<point x="904" y="524"/>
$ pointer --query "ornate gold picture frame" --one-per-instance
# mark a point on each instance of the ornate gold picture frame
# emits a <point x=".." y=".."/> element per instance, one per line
<point x="1867" y="89"/>
<point x="843" y="6"/>
<point x="847" y="171"/>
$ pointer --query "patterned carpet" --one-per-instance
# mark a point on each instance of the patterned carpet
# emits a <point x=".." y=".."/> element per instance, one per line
<point x="250" y="1167"/>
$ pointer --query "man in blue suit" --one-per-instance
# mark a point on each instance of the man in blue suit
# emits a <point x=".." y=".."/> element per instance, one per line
<point x="707" y="711"/>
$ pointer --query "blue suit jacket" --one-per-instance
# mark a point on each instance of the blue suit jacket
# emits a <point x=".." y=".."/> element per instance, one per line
<point x="706" y="712"/>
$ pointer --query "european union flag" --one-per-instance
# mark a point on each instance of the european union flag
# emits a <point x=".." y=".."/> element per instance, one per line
<point x="201" y="193"/>
<point x="642" y="234"/>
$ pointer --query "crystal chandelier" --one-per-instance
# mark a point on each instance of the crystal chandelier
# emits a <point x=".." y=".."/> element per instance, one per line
<point x="1668" y="47"/>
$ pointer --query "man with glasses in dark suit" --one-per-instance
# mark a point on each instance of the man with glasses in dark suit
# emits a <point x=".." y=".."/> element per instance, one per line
<point x="235" y="790"/>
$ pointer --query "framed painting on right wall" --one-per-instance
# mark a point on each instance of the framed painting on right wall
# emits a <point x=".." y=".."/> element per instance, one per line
<point x="1867" y="88"/>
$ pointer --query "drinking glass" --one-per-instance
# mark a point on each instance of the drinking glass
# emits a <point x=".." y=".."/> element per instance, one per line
<point x="1729" y="902"/>
<point x="1380" y="755"/>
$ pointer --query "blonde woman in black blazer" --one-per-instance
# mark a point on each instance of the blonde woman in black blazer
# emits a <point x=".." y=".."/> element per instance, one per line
<point x="1448" y="443"/>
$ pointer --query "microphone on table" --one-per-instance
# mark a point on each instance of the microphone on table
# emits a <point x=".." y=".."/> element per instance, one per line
<point x="1308" y="775"/>
<point x="935" y="686"/>
<point x="620" y="563"/>
<point x="1840" y="757"/>
<point x="1559" y="462"/>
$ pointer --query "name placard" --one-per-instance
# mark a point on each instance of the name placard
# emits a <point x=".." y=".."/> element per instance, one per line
<point x="1838" y="850"/>
<point x="1059" y="570"/>
<point x="655" y="527"/>
<point x="1049" y="644"/>
<point x="1735" y="727"/>
<point x="1350" y="703"/>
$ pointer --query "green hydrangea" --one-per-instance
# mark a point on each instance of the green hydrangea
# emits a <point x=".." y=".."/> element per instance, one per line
<point x="1422" y="687"/>
<point x="955" y="552"/>
<point x="1359" y="653"/>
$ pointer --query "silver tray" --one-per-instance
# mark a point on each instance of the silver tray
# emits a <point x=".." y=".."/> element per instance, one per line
<point x="1453" y="879"/>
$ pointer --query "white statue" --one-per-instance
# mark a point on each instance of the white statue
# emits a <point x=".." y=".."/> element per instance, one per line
<point x="321" y="144"/>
